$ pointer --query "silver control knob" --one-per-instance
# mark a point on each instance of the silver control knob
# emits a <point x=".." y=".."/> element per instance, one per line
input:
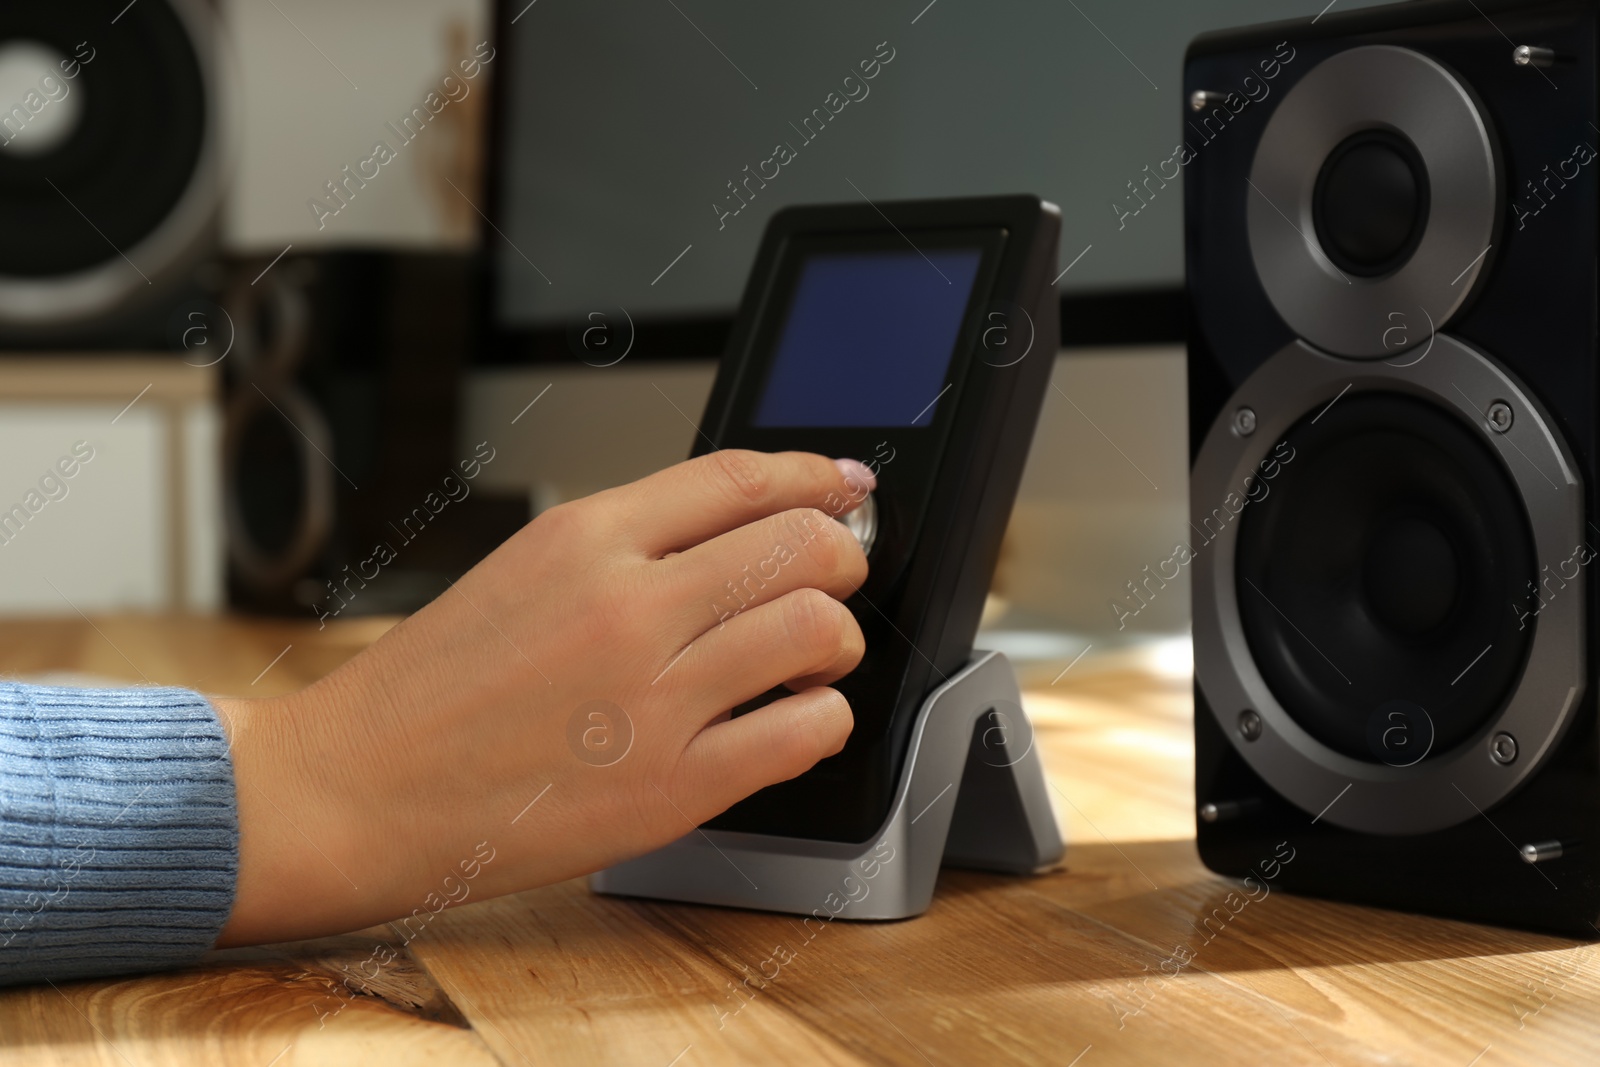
<point x="863" y="522"/>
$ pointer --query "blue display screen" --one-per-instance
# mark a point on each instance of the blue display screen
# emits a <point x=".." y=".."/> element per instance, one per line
<point x="869" y="338"/>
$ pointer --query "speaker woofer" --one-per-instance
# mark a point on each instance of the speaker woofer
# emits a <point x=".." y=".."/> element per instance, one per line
<point x="1380" y="565"/>
<point x="1376" y="188"/>
<point x="129" y="194"/>
<point x="1387" y="474"/>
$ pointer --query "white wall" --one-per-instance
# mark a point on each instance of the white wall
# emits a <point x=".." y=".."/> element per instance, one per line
<point x="310" y="105"/>
<point x="101" y="547"/>
<point x="1105" y="493"/>
<point x="135" y="526"/>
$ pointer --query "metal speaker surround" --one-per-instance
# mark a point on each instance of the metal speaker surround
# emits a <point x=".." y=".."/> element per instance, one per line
<point x="1444" y="788"/>
<point x="1374" y="123"/>
<point x="113" y="161"/>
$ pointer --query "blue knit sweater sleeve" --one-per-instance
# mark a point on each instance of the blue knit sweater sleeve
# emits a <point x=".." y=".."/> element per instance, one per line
<point x="119" y="838"/>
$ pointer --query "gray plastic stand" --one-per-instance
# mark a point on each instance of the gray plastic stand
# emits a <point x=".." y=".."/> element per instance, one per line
<point x="972" y="793"/>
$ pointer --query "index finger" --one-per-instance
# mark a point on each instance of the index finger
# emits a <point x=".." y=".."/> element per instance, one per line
<point x="710" y="495"/>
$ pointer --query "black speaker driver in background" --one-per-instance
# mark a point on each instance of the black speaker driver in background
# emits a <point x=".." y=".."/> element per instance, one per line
<point x="277" y="448"/>
<point x="277" y="530"/>
<point x="1385" y="566"/>
<point x="110" y="155"/>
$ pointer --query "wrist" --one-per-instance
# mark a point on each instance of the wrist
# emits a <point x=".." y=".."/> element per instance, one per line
<point x="302" y="871"/>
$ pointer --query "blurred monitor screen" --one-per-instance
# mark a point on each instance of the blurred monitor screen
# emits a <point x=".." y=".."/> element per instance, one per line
<point x="641" y="148"/>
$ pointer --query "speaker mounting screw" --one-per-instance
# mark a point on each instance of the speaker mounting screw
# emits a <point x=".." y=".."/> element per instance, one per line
<point x="1532" y="55"/>
<point x="1244" y="422"/>
<point x="1223" y="810"/>
<point x="1503" y="748"/>
<point x="1249" y="725"/>
<point x="1540" y="851"/>
<point x="1500" y="416"/>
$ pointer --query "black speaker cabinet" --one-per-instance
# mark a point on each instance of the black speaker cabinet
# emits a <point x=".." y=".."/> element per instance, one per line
<point x="1391" y="251"/>
<point x="347" y="488"/>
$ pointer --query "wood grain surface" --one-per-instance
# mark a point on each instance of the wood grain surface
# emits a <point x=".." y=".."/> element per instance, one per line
<point x="1100" y="962"/>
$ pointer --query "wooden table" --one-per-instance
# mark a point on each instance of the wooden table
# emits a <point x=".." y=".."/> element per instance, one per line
<point x="1060" y="969"/>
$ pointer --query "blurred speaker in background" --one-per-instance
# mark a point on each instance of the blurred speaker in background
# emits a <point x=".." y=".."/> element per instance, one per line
<point x="341" y="428"/>
<point x="113" y="166"/>
<point x="154" y="213"/>
<point x="342" y="417"/>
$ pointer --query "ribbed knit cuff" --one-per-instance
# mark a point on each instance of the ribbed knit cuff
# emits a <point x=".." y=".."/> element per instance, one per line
<point x="119" y="830"/>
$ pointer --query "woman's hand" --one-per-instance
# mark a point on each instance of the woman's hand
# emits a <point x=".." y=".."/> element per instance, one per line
<point x="562" y="707"/>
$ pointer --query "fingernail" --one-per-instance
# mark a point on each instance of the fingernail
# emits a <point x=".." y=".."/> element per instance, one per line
<point x="856" y="473"/>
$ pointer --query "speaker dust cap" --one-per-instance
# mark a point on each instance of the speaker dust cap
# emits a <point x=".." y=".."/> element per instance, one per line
<point x="1375" y="192"/>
